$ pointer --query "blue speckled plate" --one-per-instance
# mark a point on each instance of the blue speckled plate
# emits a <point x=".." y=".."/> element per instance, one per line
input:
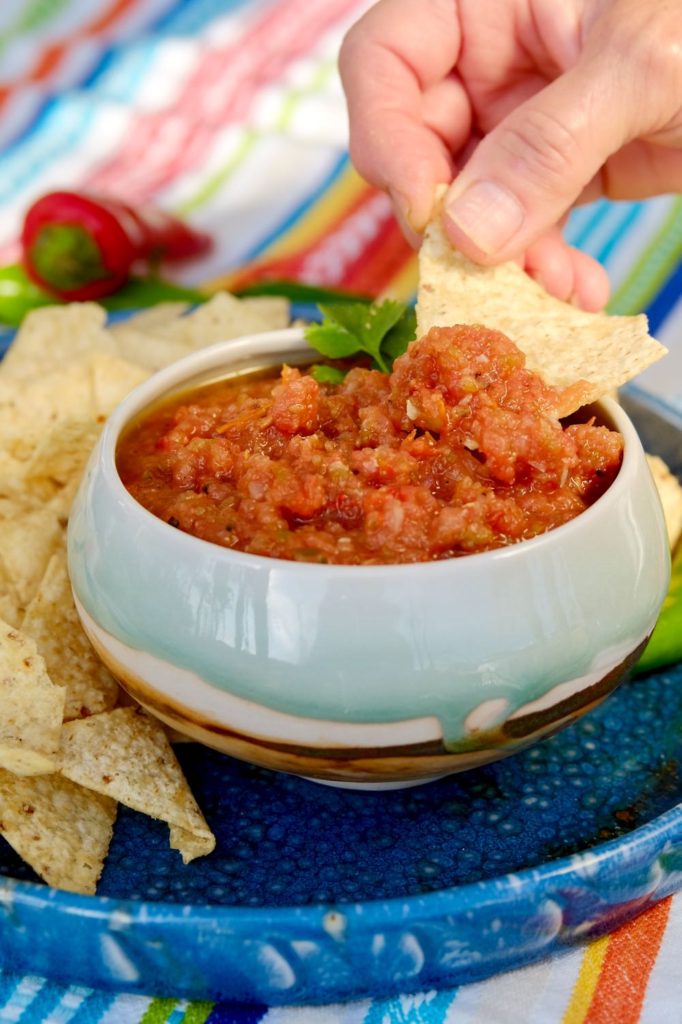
<point x="316" y="894"/>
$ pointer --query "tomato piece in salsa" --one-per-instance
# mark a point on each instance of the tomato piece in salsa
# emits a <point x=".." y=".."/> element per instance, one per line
<point x="459" y="450"/>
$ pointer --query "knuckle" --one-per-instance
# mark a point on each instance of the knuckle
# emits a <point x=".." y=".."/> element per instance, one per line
<point x="631" y="39"/>
<point x="540" y="146"/>
<point x="348" y="50"/>
<point x="354" y="48"/>
<point x="649" y="45"/>
<point x="646" y="54"/>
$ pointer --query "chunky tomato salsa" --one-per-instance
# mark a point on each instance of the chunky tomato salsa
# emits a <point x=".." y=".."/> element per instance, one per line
<point x="458" y="450"/>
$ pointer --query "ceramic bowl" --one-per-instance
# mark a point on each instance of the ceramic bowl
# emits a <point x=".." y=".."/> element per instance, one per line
<point x="375" y="676"/>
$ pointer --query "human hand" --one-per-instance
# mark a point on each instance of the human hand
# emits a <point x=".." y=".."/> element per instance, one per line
<point x="542" y="105"/>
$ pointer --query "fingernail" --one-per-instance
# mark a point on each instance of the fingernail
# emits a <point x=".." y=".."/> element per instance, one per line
<point x="400" y="201"/>
<point x="403" y="213"/>
<point x="488" y="214"/>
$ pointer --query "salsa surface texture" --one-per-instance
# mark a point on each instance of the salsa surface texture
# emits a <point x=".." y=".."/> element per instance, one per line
<point x="458" y="450"/>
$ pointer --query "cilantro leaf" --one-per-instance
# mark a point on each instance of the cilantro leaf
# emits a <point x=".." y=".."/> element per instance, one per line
<point x="327" y="374"/>
<point x="332" y="340"/>
<point x="349" y="328"/>
<point x="400" y="335"/>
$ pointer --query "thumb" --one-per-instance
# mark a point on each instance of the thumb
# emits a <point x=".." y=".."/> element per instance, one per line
<point x="530" y="169"/>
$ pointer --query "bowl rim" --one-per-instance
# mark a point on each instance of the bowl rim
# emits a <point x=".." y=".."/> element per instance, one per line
<point x="171" y="378"/>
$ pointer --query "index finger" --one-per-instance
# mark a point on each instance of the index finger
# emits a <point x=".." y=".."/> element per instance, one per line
<point x="389" y="61"/>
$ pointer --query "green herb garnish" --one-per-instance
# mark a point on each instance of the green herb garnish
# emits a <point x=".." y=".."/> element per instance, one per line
<point x="327" y="374"/>
<point x="382" y="331"/>
<point x="400" y="335"/>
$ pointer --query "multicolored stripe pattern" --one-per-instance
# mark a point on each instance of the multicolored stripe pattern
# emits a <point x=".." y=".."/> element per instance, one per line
<point x="231" y="112"/>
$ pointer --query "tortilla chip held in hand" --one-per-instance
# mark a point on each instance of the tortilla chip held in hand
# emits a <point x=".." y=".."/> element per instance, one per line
<point x="565" y="345"/>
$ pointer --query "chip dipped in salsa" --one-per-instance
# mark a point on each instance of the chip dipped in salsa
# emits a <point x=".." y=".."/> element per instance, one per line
<point x="458" y="450"/>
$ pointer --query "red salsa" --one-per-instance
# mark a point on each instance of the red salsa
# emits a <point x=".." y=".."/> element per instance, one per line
<point x="458" y="450"/>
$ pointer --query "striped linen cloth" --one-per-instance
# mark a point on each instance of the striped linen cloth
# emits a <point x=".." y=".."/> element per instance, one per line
<point x="230" y="111"/>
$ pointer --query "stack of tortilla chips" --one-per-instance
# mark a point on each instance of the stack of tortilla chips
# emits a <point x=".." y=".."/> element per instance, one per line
<point x="72" y="744"/>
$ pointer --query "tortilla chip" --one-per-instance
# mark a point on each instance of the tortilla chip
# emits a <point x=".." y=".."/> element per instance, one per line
<point x="31" y="707"/>
<point x="563" y="344"/>
<point x="53" y="337"/>
<point x="267" y="312"/>
<point x="225" y="316"/>
<point x="222" y="317"/>
<point x="27" y="542"/>
<point x="12" y="482"/>
<point x="63" y="452"/>
<point x="60" y="504"/>
<point x="126" y="755"/>
<point x="52" y="621"/>
<point x="148" y="319"/>
<point x="112" y="380"/>
<point x="670" y="493"/>
<point x="150" y="350"/>
<point x="191" y="845"/>
<point x="11" y="609"/>
<point x="136" y="341"/>
<point x="36" y="406"/>
<point x="14" y="505"/>
<point x="62" y="831"/>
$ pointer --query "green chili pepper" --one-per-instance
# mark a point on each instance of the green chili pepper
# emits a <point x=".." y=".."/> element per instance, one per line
<point x="295" y="291"/>
<point x="140" y="292"/>
<point x="665" y="646"/>
<point x="19" y="295"/>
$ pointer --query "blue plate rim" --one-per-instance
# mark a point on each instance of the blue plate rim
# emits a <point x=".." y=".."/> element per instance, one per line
<point x="653" y="834"/>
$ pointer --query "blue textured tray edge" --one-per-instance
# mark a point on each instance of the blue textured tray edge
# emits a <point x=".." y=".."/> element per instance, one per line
<point x="649" y="838"/>
<point x="330" y="953"/>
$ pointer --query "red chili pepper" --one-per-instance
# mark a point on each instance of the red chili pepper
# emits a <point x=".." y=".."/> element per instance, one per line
<point x="81" y="246"/>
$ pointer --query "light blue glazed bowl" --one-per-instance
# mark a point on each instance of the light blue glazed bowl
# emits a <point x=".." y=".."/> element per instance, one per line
<point x="374" y="676"/>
